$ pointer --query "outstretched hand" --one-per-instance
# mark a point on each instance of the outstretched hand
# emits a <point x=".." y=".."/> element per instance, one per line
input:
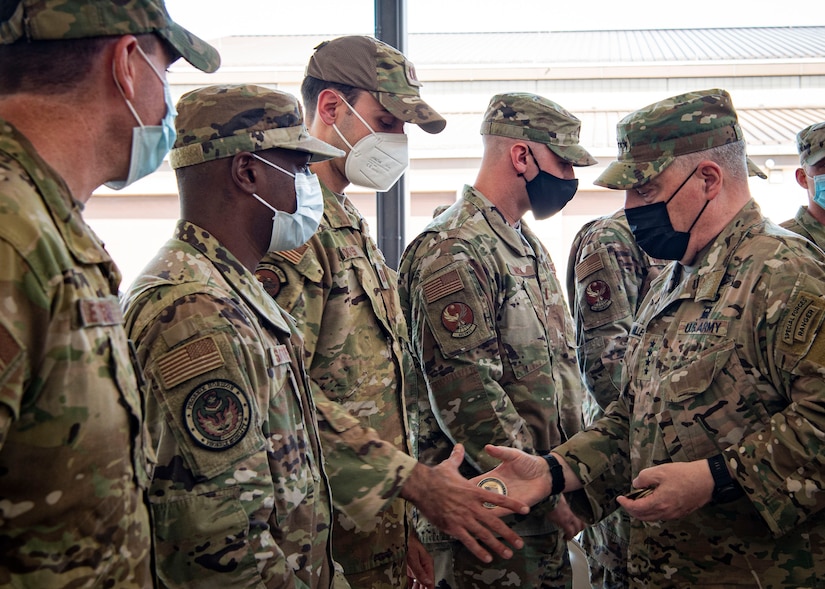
<point x="456" y="506"/>
<point x="525" y="476"/>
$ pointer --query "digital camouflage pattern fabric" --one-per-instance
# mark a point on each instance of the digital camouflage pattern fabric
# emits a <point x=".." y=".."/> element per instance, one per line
<point x="810" y="143"/>
<point x="804" y="224"/>
<point x="73" y="451"/>
<point x="367" y="63"/>
<point x="493" y="341"/>
<point x="608" y="275"/>
<point x="49" y="20"/>
<point x="239" y="496"/>
<point x="531" y="117"/>
<point x="650" y="138"/>
<point x="223" y="120"/>
<point x="725" y="356"/>
<point x="345" y="300"/>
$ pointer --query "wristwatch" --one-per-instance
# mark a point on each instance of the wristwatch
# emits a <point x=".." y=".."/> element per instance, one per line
<point x="556" y="474"/>
<point x="725" y="488"/>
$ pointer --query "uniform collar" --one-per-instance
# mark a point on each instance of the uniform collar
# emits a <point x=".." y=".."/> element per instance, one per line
<point x="495" y="219"/>
<point x="233" y="272"/>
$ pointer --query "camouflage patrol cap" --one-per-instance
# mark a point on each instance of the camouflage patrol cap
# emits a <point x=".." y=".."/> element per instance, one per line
<point x="652" y="137"/>
<point x="220" y="121"/>
<point x="810" y="143"/>
<point x="49" y="20"/>
<point x="367" y="63"/>
<point x="534" y="118"/>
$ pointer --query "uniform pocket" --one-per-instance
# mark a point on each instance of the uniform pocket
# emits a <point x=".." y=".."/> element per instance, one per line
<point x="711" y="403"/>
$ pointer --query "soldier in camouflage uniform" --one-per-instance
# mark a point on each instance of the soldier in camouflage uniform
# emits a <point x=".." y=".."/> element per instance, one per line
<point x="491" y="333"/>
<point x="359" y="91"/>
<point x="74" y="458"/>
<point x="608" y="275"/>
<point x="723" y="406"/>
<point x="239" y="497"/>
<point x="810" y="220"/>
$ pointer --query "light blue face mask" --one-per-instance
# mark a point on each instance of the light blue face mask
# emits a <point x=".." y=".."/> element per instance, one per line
<point x="291" y="230"/>
<point x="150" y="143"/>
<point x="819" y="190"/>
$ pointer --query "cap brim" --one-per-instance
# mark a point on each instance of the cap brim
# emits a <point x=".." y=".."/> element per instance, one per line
<point x="627" y="175"/>
<point x="754" y="170"/>
<point x="192" y="48"/>
<point x="411" y="109"/>
<point x="575" y="154"/>
<point x="814" y="158"/>
<point x="319" y="150"/>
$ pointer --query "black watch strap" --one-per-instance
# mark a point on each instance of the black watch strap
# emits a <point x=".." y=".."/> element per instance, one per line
<point x="556" y="474"/>
<point x="725" y="487"/>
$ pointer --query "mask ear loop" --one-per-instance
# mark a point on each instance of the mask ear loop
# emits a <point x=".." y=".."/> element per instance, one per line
<point x="120" y="88"/>
<point x="355" y="112"/>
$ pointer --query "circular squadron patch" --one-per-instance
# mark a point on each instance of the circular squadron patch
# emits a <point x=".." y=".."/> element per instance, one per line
<point x="272" y="279"/>
<point x="597" y="294"/>
<point x="458" y="319"/>
<point x="217" y="414"/>
<point x="495" y="485"/>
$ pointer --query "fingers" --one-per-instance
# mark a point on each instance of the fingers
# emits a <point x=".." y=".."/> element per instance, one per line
<point x="502" y="452"/>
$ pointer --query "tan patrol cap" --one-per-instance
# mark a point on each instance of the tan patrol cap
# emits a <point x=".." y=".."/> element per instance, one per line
<point x="219" y="121"/>
<point x="50" y="20"/>
<point x="367" y="63"/>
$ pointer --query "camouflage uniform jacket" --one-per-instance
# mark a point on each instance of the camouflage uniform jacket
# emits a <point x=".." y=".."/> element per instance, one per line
<point x="492" y="337"/>
<point x="726" y="356"/>
<point x="239" y="497"/>
<point x="345" y="299"/>
<point x="73" y="466"/>
<point x="805" y="225"/>
<point x="608" y="275"/>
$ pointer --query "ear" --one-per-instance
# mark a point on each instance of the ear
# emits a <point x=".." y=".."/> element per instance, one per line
<point x="244" y="172"/>
<point x="711" y="175"/>
<point x="328" y="103"/>
<point x="519" y="154"/>
<point x="124" y="54"/>
<point x="802" y="178"/>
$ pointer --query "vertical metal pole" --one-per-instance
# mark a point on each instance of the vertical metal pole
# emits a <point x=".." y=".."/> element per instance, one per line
<point x="391" y="28"/>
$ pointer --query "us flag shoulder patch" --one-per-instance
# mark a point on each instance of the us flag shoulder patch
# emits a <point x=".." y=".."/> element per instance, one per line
<point x="191" y="360"/>
<point x="441" y="286"/>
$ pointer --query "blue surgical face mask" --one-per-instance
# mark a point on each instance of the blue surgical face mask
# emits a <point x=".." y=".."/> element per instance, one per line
<point x="291" y="230"/>
<point x="150" y="143"/>
<point x="819" y="190"/>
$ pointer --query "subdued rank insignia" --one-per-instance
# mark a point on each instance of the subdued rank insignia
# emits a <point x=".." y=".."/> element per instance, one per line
<point x="597" y="294"/>
<point x="458" y="319"/>
<point x="94" y="312"/>
<point x="217" y="414"/>
<point x="271" y="279"/>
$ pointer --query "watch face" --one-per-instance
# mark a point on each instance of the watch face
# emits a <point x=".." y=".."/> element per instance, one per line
<point x="727" y="493"/>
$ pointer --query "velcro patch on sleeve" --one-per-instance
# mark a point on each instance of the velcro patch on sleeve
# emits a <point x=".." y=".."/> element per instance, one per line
<point x="97" y="312"/>
<point x="442" y="285"/>
<point x="592" y="263"/>
<point x="802" y="322"/>
<point x="189" y="361"/>
<point x="10" y="352"/>
<point x="294" y="256"/>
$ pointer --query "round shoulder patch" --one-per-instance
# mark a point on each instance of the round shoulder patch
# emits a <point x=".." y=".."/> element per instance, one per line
<point x="598" y="295"/>
<point x="458" y="319"/>
<point x="217" y="414"/>
<point x="272" y="279"/>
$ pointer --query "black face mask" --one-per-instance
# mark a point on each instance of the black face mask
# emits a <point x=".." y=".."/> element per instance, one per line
<point x="548" y="194"/>
<point x="654" y="232"/>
